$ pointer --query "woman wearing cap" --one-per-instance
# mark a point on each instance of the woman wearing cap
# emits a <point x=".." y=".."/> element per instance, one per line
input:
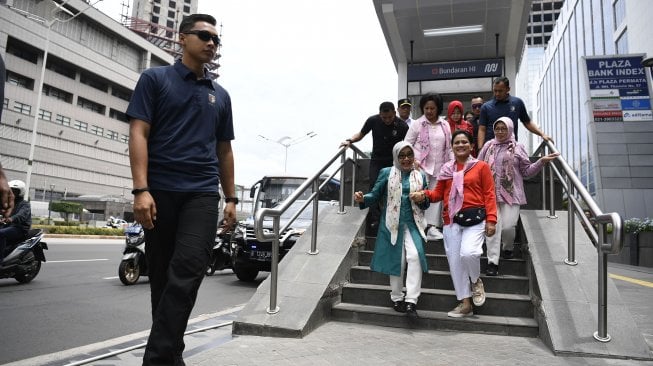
<point x="400" y="239"/>
<point x="510" y="164"/>
<point x="430" y="136"/>
<point x="470" y="213"/>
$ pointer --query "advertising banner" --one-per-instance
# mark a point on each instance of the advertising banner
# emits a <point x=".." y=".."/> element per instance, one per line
<point x="618" y="88"/>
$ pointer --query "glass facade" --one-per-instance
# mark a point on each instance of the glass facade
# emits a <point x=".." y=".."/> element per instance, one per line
<point x="563" y="113"/>
<point x="612" y="159"/>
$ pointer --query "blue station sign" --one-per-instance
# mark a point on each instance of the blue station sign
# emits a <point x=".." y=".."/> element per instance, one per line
<point x="456" y="70"/>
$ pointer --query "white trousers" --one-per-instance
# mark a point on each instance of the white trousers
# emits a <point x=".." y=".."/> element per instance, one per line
<point x="433" y="214"/>
<point x="507" y="216"/>
<point x="410" y="262"/>
<point x="464" y="246"/>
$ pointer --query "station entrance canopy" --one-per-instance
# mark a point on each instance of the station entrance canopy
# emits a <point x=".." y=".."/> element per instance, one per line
<point x="502" y="35"/>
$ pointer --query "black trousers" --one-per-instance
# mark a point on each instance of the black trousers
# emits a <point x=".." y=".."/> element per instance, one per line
<point x="10" y="235"/>
<point x="178" y="250"/>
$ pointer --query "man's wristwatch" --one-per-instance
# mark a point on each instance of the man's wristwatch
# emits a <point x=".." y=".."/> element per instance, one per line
<point x="231" y="199"/>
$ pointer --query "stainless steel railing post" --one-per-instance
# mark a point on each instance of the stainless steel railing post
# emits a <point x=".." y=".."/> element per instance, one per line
<point x="343" y="160"/>
<point x="316" y="188"/>
<point x="552" y="212"/>
<point x="601" y="334"/>
<point x="571" y="229"/>
<point x="353" y="176"/>
<point x="543" y="174"/>
<point x="274" y="270"/>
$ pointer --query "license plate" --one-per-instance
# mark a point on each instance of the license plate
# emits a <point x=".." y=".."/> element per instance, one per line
<point x="261" y="255"/>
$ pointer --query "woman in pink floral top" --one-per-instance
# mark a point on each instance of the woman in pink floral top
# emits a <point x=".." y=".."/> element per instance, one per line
<point x="509" y="163"/>
<point x="430" y="136"/>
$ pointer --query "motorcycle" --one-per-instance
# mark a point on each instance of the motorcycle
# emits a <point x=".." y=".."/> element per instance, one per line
<point x="133" y="263"/>
<point x="24" y="259"/>
<point x="221" y="255"/>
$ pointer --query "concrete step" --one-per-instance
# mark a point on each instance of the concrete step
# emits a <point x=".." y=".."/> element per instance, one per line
<point x="438" y="262"/>
<point x="442" y="280"/>
<point x="498" y="304"/>
<point x="435" y="320"/>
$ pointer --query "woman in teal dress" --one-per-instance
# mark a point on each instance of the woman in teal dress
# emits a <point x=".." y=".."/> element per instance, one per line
<point x="401" y="237"/>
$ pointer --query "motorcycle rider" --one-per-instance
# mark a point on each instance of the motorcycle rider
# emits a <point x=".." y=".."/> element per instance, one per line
<point x="15" y="227"/>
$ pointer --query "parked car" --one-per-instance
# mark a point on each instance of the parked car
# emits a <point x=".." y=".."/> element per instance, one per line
<point x="117" y="223"/>
<point x="249" y="256"/>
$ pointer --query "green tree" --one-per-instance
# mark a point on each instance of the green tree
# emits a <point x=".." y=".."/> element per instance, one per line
<point x="66" y="208"/>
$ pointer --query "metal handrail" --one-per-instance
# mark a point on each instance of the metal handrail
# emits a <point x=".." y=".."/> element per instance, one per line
<point x="598" y="237"/>
<point x="276" y="212"/>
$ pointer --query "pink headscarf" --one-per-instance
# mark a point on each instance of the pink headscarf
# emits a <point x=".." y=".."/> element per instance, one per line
<point x="456" y="195"/>
<point x="500" y="157"/>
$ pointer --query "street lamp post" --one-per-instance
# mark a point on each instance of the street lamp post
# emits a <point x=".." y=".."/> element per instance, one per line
<point x="50" y="204"/>
<point x="48" y="23"/>
<point x="287" y="142"/>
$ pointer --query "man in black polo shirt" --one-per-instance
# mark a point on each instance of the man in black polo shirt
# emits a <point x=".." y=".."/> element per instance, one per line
<point x="387" y="129"/>
<point x="180" y="136"/>
<point x="504" y="105"/>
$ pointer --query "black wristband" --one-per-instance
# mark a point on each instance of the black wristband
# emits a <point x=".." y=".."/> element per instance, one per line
<point x="350" y="141"/>
<point x="136" y="191"/>
<point x="231" y="199"/>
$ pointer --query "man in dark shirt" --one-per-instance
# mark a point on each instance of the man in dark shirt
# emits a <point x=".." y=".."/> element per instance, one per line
<point x="477" y="103"/>
<point x="387" y="129"/>
<point x="405" y="107"/>
<point x="180" y="136"/>
<point x="14" y="228"/>
<point x="504" y="105"/>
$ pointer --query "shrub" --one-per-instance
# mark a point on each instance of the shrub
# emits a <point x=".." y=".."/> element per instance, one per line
<point x="636" y="225"/>
<point x="76" y="230"/>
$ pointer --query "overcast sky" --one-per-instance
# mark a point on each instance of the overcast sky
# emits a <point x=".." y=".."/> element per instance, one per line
<point x="296" y="66"/>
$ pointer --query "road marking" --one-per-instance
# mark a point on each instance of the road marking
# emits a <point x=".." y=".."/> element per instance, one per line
<point x="79" y="260"/>
<point x="631" y="280"/>
<point x="110" y="278"/>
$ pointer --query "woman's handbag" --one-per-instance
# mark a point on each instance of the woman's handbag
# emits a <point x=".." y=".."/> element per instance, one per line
<point x="470" y="216"/>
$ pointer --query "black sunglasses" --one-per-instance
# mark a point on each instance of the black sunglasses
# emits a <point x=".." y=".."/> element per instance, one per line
<point x="205" y="36"/>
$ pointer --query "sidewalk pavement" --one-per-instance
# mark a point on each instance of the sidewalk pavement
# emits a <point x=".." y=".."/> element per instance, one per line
<point x="341" y="344"/>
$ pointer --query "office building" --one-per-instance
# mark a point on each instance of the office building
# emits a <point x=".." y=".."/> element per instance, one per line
<point x="541" y="21"/>
<point x="614" y="159"/>
<point x="93" y="64"/>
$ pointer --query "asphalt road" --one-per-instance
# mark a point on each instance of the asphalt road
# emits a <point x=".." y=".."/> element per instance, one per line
<point x="77" y="299"/>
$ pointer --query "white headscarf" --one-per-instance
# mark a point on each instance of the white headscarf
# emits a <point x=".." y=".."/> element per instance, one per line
<point x="393" y="206"/>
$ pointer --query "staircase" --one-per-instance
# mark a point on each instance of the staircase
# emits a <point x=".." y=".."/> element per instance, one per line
<point x="507" y="311"/>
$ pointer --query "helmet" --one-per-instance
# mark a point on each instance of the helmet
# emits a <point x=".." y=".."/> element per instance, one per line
<point x="18" y="186"/>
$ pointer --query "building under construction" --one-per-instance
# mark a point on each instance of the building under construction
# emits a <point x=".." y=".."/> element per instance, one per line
<point x="158" y="22"/>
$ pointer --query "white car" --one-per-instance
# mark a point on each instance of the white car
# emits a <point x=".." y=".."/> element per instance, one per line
<point x="117" y="223"/>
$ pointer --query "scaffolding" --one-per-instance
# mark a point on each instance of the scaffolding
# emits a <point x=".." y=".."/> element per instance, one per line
<point x="167" y="39"/>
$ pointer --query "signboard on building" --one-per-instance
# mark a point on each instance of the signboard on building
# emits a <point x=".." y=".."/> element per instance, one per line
<point x="456" y="70"/>
<point x="618" y="88"/>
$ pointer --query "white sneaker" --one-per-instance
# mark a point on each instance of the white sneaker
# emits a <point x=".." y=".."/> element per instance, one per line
<point x="460" y="311"/>
<point x="478" y="293"/>
<point x="434" y="234"/>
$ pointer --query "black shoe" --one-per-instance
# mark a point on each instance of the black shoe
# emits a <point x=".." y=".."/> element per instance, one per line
<point x="492" y="269"/>
<point x="411" y="310"/>
<point x="399" y="306"/>
<point x="507" y="254"/>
